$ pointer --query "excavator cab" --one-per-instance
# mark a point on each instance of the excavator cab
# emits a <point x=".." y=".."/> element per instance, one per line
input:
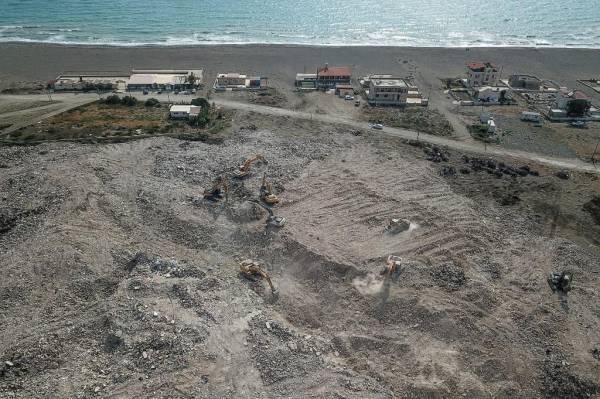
<point x="219" y="190"/>
<point x="393" y="266"/>
<point x="266" y="192"/>
<point x="244" y="169"/>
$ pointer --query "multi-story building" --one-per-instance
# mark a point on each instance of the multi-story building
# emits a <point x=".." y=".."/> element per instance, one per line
<point x="482" y="74"/>
<point x="328" y="77"/>
<point x="388" y="90"/>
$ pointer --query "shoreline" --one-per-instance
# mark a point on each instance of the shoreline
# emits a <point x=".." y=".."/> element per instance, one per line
<point x="292" y="45"/>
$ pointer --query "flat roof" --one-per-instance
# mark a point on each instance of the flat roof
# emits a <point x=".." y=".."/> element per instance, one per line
<point x="232" y="75"/>
<point x="389" y="82"/>
<point x="181" y="108"/>
<point x="306" y="76"/>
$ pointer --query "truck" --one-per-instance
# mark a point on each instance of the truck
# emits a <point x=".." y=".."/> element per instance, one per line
<point x="531" y="116"/>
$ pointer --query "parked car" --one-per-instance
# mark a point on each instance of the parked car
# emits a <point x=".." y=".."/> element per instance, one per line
<point x="349" y="97"/>
<point x="145" y="92"/>
<point x="377" y="126"/>
<point x="357" y="103"/>
<point x="159" y="92"/>
<point x="194" y="91"/>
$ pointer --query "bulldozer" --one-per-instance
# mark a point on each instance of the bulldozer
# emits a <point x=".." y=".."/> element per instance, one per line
<point x="244" y="169"/>
<point x="266" y="192"/>
<point x="219" y="190"/>
<point x="252" y="270"/>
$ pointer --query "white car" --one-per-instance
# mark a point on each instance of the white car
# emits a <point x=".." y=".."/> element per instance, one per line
<point x="377" y="126"/>
<point x="349" y="97"/>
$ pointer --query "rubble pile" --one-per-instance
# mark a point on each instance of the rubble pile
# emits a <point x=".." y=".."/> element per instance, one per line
<point x="435" y="154"/>
<point x="497" y="168"/>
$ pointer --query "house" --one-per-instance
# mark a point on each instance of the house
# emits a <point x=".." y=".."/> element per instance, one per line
<point x="236" y="81"/>
<point x="90" y="81"/>
<point x="306" y="81"/>
<point x="328" y="77"/>
<point x="164" y="79"/>
<point x="524" y="82"/>
<point x="482" y="74"/>
<point x="575" y="103"/>
<point x="344" y="90"/>
<point x="489" y="94"/>
<point x="183" y="111"/>
<point x="385" y="90"/>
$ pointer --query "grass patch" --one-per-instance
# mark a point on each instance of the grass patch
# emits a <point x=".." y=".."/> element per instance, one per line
<point x="421" y="119"/>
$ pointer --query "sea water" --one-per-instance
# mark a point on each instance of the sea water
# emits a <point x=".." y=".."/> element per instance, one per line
<point x="420" y="23"/>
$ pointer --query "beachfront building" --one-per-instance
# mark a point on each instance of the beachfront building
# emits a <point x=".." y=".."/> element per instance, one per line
<point x="236" y="81"/>
<point x="524" y="82"/>
<point x="387" y="90"/>
<point x="159" y="79"/>
<point x="488" y="94"/>
<point x="575" y="103"/>
<point x="482" y="74"/>
<point x="184" y="111"/>
<point x="90" y="81"/>
<point x="329" y="77"/>
<point x="306" y="81"/>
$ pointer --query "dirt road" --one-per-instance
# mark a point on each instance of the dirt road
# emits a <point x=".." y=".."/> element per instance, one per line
<point x="72" y="101"/>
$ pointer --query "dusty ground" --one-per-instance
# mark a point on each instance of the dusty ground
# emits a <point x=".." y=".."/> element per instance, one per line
<point x="119" y="281"/>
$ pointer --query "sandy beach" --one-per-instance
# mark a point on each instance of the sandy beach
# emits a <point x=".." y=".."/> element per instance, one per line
<point x="26" y="62"/>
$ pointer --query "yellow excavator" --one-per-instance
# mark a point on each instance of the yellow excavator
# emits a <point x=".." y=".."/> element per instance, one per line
<point x="252" y="269"/>
<point x="219" y="190"/>
<point x="244" y="169"/>
<point x="266" y="192"/>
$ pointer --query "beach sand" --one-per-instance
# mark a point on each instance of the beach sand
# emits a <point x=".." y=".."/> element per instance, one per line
<point x="26" y="62"/>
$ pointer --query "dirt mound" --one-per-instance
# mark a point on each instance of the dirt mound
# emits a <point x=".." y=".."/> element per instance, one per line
<point x="593" y="208"/>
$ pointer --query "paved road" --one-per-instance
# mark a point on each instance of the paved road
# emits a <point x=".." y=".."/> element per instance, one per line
<point x="476" y="147"/>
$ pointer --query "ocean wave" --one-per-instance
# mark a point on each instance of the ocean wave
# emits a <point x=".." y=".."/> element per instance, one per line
<point x="236" y="38"/>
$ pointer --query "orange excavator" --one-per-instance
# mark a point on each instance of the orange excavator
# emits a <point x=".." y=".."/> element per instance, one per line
<point x="219" y="190"/>
<point x="266" y="192"/>
<point x="252" y="269"/>
<point x="244" y="170"/>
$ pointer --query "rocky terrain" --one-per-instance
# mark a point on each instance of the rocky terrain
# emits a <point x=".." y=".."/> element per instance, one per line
<point x="120" y="281"/>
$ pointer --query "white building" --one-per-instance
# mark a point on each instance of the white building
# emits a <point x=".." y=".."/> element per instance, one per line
<point x="160" y="79"/>
<point x="482" y="74"/>
<point x="387" y="90"/>
<point x="490" y="94"/>
<point x="236" y="81"/>
<point x="183" y="111"/>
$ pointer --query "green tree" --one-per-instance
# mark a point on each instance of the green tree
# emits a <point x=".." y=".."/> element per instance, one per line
<point x="201" y="102"/>
<point x="113" y="100"/>
<point x="578" y="107"/>
<point x="151" y="102"/>
<point x="129" y="101"/>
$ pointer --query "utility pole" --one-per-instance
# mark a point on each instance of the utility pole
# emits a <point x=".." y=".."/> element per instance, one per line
<point x="594" y="154"/>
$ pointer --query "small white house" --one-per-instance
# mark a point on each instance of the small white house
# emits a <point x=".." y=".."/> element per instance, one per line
<point x="491" y="94"/>
<point x="183" y="111"/>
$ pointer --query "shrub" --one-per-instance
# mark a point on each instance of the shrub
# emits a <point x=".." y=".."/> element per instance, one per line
<point x="129" y="101"/>
<point x="151" y="102"/>
<point x="114" y="99"/>
<point x="201" y="102"/>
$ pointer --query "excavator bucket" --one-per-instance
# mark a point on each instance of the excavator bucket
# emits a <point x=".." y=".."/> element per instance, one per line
<point x="244" y="169"/>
